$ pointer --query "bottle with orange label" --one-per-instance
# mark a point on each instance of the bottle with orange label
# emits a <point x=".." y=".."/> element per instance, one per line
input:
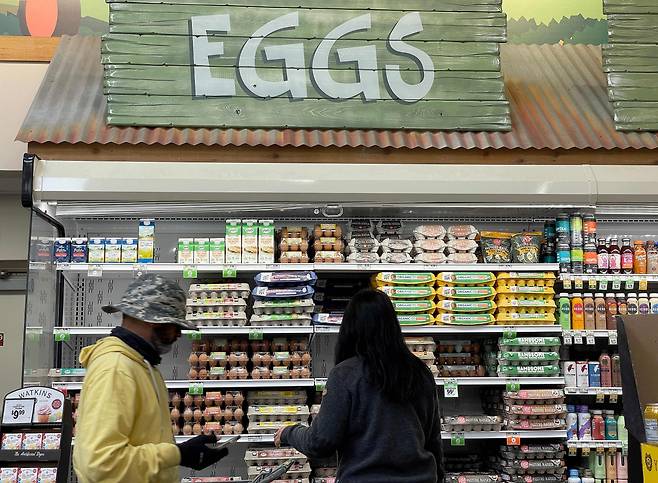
<point x="577" y="312"/>
<point x="639" y="257"/>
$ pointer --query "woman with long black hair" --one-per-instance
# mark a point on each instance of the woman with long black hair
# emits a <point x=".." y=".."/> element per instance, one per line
<point x="380" y="408"/>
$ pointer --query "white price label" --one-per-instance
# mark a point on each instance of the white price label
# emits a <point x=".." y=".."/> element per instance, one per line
<point x="567" y="337"/>
<point x="578" y="338"/>
<point x="450" y="388"/>
<point x="18" y="411"/>
<point x="603" y="284"/>
<point x="95" y="271"/>
<point x="589" y="338"/>
<point x="612" y="337"/>
<point x="629" y="284"/>
<point x="616" y="283"/>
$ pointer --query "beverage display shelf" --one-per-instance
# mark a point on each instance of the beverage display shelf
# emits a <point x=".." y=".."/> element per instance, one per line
<point x="593" y="444"/>
<point x="593" y="391"/>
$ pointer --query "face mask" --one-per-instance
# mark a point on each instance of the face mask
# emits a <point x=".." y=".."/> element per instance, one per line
<point x="161" y="347"/>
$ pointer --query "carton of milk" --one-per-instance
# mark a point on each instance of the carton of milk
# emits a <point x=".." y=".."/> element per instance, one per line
<point x="113" y="250"/>
<point x="96" y="250"/>
<point x="78" y="250"/>
<point x="202" y="250"/>
<point x="129" y="250"/>
<point x="217" y="251"/>
<point x="62" y="250"/>
<point x="266" y="241"/>
<point x="250" y="241"/>
<point x="185" y="254"/>
<point x="146" y="241"/>
<point x="233" y="241"/>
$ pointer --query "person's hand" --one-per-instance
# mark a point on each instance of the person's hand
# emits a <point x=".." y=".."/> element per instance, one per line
<point x="277" y="437"/>
<point x="196" y="455"/>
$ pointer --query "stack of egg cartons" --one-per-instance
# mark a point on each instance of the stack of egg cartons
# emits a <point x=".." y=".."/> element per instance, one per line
<point x="424" y="348"/>
<point x="529" y="356"/>
<point x="271" y="410"/>
<point x="262" y="460"/>
<point x="531" y="463"/>
<point x="465" y="298"/>
<point x="218" y="304"/>
<point x="429" y="244"/>
<point x="461" y="246"/>
<point x="459" y="358"/>
<point x="534" y="409"/>
<point x="283" y="298"/>
<point x="293" y="244"/>
<point x="525" y="298"/>
<point x="362" y="246"/>
<point x="412" y="295"/>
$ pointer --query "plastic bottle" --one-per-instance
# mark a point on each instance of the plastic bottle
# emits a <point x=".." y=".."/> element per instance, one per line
<point x="622" y="432"/>
<point x="614" y="257"/>
<point x="589" y="311"/>
<point x="562" y="226"/>
<point x="652" y="257"/>
<point x="605" y="364"/>
<point x="651" y="423"/>
<point x="653" y="300"/>
<point x="572" y="422"/>
<point x="639" y="257"/>
<point x="598" y="425"/>
<point x="594" y="374"/>
<point x="564" y="314"/>
<point x="577" y="312"/>
<point x="622" y="467"/>
<point x="632" y="304"/>
<point x="564" y="257"/>
<point x="611" y="432"/>
<point x="574" y="476"/>
<point x="587" y="476"/>
<point x="622" y="304"/>
<point x="597" y="465"/>
<point x="576" y="229"/>
<point x="616" y="370"/>
<point x="602" y="256"/>
<point x="590" y="258"/>
<point x="611" y="311"/>
<point x="577" y="259"/>
<point x="626" y="256"/>
<point x="610" y="465"/>
<point x="644" y="306"/>
<point x="584" y="423"/>
<point x="599" y="315"/>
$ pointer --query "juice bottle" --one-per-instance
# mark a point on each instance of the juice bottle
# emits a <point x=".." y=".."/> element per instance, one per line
<point x="611" y="432"/>
<point x="611" y="311"/>
<point x="589" y="311"/>
<point x="652" y="257"/>
<point x="626" y="256"/>
<point x="632" y="304"/>
<point x="651" y="423"/>
<point x="577" y="312"/>
<point x="622" y="304"/>
<point x="653" y="300"/>
<point x="643" y="304"/>
<point x="602" y="256"/>
<point x="614" y="256"/>
<point x="640" y="257"/>
<point x="564" y="314"/>
<point x="610" y="464"/>
<point x="605" y="364"/>
<point x="599" y="307"/>
<point x="622" y="467"/>
<point x="616" y="370"/>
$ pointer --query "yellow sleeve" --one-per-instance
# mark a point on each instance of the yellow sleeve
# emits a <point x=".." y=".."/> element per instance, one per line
<point x="102" y="452"/>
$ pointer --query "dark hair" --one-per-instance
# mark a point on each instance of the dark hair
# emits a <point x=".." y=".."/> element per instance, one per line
<point x="371" y="331"/>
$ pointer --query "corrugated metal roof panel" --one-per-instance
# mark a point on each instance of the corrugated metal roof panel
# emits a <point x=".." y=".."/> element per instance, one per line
<point x="557" y="96"/>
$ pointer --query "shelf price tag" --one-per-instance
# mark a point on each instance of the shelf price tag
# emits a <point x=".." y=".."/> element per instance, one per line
<point x="616" y="283"/>
<point x="573" y="450"/>
<point x="589" y="338"/>
<point x="600" y="448"/>
<point x="457" y="439"/>
<point x="196" y="389"/>
<point x="578" y="338"/>
<point x="567" y="337"/>
<point x="603" y="284"/>
<point x="95" y="271"/>
<point x="364" y="267"/>
<point x="139" y="269"/>
<point x="585" y="450"/>
<point x="624" y="448"/>
<point x="513" y="439"/>
<point x="600" y="395"/>
<point x="255" y="334"/>
<point x="644" y="283"/>
<point x="62" y="335"/>
<point x="591" y="283"/>
<point x="450" y="388"/>
<point x="229" y="271"/>
<point x="578" y="283"/>
<point x="566" y="282"/>
<point x="320" y="384"/>
<point x="513" y="385"/>
<point x="612" y="337"/>
<point x="190" y="271"/>
<point x="613" y="398"/>
<point x="509" y="333"/>
<point x="194" y="335"/>
<point x="629" y="284"/>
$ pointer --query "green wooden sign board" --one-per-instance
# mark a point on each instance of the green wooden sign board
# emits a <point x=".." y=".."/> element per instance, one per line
<point x="419" y="64"/>
<point x="630" y="61"/>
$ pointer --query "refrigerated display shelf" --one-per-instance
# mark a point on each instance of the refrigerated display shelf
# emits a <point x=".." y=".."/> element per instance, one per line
<point x="223" y="384"/>
<point x="486" y="381"/>
<point x="595" y="444"/>
<point x="245" y="330"/>
<point x="521" y="435"/>
<point x="622" y="277"/>
<point x="588" y="337"/>
<point x="593" y="391"/>
<point x="99" y="269"/>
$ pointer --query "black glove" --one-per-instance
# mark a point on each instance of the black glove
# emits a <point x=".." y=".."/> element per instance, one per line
<point x="196" y="455"/>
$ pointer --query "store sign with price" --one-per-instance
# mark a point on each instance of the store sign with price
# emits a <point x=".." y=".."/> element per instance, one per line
<point x="313" y="64"/>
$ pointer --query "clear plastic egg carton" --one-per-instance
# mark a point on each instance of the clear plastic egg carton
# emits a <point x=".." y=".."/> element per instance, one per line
<point x="528" y="371"/>
<point x="530" y="344"/>
<point x="286" y="306"/>
<point x="194" y="306"/>
<point x="471" y="423"/>
<point x="535" y="424"/>
<point x="272" y="456"/>
<point x="533" y="451"/>
<point x="528" y="358"/>
<point x="280" y="320"/>
<point x="430" y="232"/>
<point x="420" y="344"/>
<point x="534" y="396"/>
<point x="277" y="398"/>
<point x="268" y="427"/>
<point x="286" y="278"/>
<point x="219" y="290"/>
<point x="536" y="411"/>
<point x="458" y="358"/>
<point x="511" y="289"/>
<point x="296" y="471"/>
<point x="462" y="371"/>
<point x="226" y="319"/>
<point x="471" y="477"/>
<point x="299" y="414"/>
<point x="554" y="467"/>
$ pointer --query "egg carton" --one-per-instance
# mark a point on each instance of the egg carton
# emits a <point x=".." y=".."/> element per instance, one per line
<point x="460" y="245"/>
<point x="328" y="319"/>
<point x="286" y="278"/>
<point x="413" y="320"/>
<point x="465" y="278"/>
<point x="465" y="306"/>
<point x="471" y="423"/>
<point x="531" y="478"/>
<point x="236" y="319"/>
<point x="405" y="278"/>
<point x="462" y="345"/>
<point x="215" y="305"/>
<point x="396" y="245"/>
<point x="533" y="451"/>
<point x="528" y="344"/>
<point x="408" y="292"/>
<point x="272" y="456"/>
<point x="280" y="398"/>
<point x="268" y="427"/>
<point x="420" y="344"/>
<point x="507" y="289"/>
<point x="458" y="358"/>
<point x="296" y="470"/>
<point x="281" y="320"/>
<point x="413" y="306"/>
<point x="534" y="396"/>
<point x="395" y="258"/>
<point x="463" y="319"/>
<point x="215" y="479"/>
<point x="364" y="244"/>
<point x="285" y="306"/>
<point x="329" y="244"/>
<point x="535" y="371"/>
<point x="535" y="411"/>
<point x="325" y="471"/>
<point x="471" y="477"/>
<point x="528" y="358"/>
<point x="264" y="292"/>
<point x="466" y="292"/>
<point x="219" y="290"/>
<point x="525" y="276"/>
<point x="532" y="319"/>
<point x="429" y="245"/>
<point x="525" y="301"/>
<point x="532" y="467"/>
<point x="431" y="232"/>
<point x="535" y="424"/>
<point x="460" y="370"/>
<point x="281" y="373"/>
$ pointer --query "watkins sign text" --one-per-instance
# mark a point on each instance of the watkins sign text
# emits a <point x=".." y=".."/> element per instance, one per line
<point x="338" y="64"/>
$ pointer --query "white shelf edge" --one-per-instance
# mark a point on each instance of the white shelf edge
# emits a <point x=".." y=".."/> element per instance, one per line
<point x="600" y="276"/>
<point x="224" y="384"/>
<point x="599" y="333"/>
<point x="593" y="391"/>
<point x="244" y="438"/>
<point x="501" y="381"/>
<point x="244" y="330"/>
<point x="446" y="329"/>
<point x="318" y="267"/>
<point x="554" y="434"/>
<point x="593" y="444"/>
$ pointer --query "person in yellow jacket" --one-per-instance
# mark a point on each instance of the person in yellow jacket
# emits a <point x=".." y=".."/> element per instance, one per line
<point x="123" y="429"/>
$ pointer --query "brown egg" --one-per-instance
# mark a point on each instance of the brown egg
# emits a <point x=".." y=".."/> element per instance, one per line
<point x="175" y="414"/>
<point x="212" y="362"/>
<point x="233" y="373"/>
<point x="233" y="359"/>
<point x="198" y="414"/>
<point x="203" y="359"/>
<point x="306" y="372"/>
<point x="238" y="414"/>
<point x="243" y="373"/>
<point x="187" y="400"/>
<point x="175" y="399"/>
<point x="265" y="373"/>
<point x="267" y="360"/>
<point x="238" y="399"/>
<point x="255" y="374"/>
<point x="293" y="345"/>
<point x="306" y="359"/>
<point x="196" y="429"/>
<point x="192" y="374"/>
<point x="228" y="414"/>
<point x="188" y="414"/>
<point x="296" y="359"/>
<point x="207" y="414"/>
<point x="193" y="359"/>
<point x="195" y="346"/>
<point x="203" y="373"/>
<point x="243" y="359"/>
<point x="228" y="398"/>
<point x="238" y="429"/>
<point x="295" y="373"/>
<point x="198" y="400"/>
<point x="257" y="359"/>
<point x="228" y="429"/>
<point x="175" y="429"/>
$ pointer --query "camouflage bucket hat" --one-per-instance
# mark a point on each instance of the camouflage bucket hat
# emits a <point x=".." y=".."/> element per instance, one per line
<point x="154" y="299"/>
